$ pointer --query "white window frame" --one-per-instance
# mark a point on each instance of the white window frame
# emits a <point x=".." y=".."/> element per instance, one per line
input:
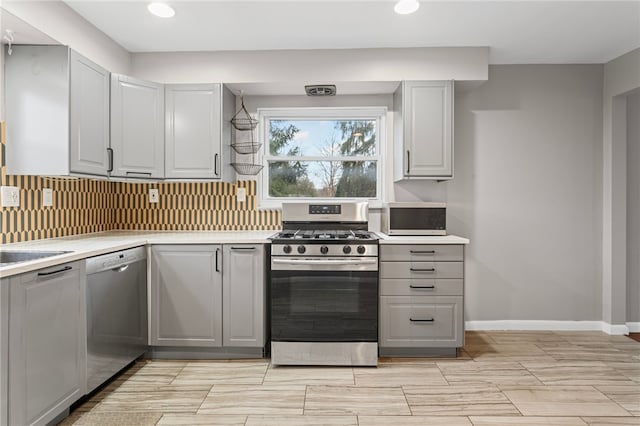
<point x="329" y="113"/>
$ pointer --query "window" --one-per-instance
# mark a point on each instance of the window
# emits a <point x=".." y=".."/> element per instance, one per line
<point x="315" y="153"/>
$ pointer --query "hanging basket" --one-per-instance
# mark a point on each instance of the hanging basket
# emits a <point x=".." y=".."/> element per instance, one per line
<point x="247" y="168"/>
<point x="243" y="120"/>
<point x="246" y="147"/>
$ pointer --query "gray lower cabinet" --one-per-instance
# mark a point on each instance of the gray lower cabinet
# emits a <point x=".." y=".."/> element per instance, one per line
<point x="46" y="355"/>
<point x="208" y="295"/>
<point x="4" y="348"/>
<point x="186" y="295"/>
<point x="421" y="297"/>
<point x="243" y="295"/>
<point x="421" y="321"/>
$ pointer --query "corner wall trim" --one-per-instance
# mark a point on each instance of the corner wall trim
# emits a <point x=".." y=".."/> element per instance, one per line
<point x="634" y="327"/>
<point x="541" y="325"/>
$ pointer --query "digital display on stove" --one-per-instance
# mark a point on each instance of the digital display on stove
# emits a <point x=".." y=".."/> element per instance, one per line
<point x="325" y="209"/>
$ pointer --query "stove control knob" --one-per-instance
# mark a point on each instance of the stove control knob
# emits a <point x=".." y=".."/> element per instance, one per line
<point x="346" y="249"/>
<point x="301" y="249"/>
<point x="286" y="249"/>
<point x="361" y="249"/>
<point x="324" y="249"/>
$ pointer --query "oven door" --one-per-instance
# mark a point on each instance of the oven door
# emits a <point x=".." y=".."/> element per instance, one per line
<point x="324" y="299"/>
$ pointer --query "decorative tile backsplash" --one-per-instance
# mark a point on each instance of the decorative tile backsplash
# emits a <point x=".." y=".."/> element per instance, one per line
<point x="191" y="206"/>
<point x="82" y="205"/>
<point x="79" y="206"/>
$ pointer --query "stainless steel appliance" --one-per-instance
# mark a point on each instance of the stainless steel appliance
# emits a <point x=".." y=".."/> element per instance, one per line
<point x="324" y="286"/>
<point x="422" y="218"/>
<point x="116" y="312"/>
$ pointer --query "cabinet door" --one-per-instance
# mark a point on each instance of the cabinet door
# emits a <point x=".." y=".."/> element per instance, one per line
<point x="47" y="343"/>
<point x="425" y="321"/>
<point x="4" y="348"/>
<point x="243" y="295"/>
<point x="186" y="295"/>
<point x="137" y="127"/>
<point x="428" y="130"/>
<point x="89" y="116"/>
<point x="193" y="131"/>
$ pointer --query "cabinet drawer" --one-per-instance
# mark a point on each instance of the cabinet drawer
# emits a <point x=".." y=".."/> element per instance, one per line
<point x="421" y="270"/>
<point x="421" y="252"/>
<point x="421" y="287"/>
<point x="429" y="321"/>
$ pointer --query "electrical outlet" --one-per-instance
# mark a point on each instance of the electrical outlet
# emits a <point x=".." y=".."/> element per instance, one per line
<point x="47" y="197"/>
<point x="153" y="195"/>
<point x="10" y="196"/>
<point x="241" y="195"/>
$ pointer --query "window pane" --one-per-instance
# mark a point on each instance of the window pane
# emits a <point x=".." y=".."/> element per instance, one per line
<point x="324" y="138"/>
<point x="322" y="179"/>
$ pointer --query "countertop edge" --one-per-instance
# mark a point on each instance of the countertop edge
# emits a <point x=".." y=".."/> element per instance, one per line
<point x="90" y="245"/>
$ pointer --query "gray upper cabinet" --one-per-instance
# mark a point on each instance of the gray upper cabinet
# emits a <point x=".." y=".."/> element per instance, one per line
<point x="68" y="97"/>
<point x="46" y="343"/>
<point x="423" y="130"/>
<point x="193" y="126"/>
<point x="89" y="119"/>
<point x="243" y="295"/>
<point x="137" y="127"/>
<point x="186" y="295"/>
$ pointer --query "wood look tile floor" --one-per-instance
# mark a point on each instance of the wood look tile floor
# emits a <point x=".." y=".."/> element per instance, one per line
<point x="499" y="378"/>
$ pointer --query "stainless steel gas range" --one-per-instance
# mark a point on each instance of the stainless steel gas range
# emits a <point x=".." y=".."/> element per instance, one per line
<point x="324" y="286"/>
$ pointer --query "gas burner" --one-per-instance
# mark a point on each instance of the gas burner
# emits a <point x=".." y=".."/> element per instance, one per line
<point x="325" y="235"/>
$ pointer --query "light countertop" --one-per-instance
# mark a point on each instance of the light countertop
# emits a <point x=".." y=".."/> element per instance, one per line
<point x="89" y="245"/>
<point x="401" y="239"/>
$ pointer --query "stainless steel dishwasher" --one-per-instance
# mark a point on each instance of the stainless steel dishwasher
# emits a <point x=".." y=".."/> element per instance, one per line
<point x="116" y="312"/>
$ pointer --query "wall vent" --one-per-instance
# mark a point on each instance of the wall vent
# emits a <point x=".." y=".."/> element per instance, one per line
<point x="320" y="90"/>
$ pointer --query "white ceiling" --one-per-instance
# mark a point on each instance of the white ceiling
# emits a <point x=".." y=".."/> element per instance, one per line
<point x="515" y="31"/>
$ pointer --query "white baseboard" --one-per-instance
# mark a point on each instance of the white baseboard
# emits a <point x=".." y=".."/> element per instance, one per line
<point x="532" y="325"/>
<point x="634" y="327"/>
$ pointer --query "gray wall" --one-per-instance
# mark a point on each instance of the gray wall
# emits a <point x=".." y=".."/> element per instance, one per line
<point x="527" y="192"/>
<point x="633" y="208"/>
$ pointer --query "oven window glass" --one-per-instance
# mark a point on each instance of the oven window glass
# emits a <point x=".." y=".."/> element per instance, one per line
<point x="322" y="306"/>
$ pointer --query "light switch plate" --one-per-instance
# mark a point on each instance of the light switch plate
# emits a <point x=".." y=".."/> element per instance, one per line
<point x="241" y="195"/>
<point x="153" y="195"/>
<point x="47" y="197"/>
<point x="10" y="196"/>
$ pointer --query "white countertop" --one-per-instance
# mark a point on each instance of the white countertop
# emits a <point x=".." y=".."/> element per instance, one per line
<point x="88" y="245"/>
<point x="422" y="239"/>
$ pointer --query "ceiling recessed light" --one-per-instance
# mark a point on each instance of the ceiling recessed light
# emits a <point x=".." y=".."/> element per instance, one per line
<point x="405" y="7"/>
<point x="162" y="10"/>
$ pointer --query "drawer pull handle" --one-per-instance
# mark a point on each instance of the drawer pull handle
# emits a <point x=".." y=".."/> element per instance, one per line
<point x="422" y="251"/>
<point x="422" y="270"/>
<point x="422" y="286"/>
<point x="45" y="274"/>
<point x="421" y="320"/>
<point x="243" y="248"/>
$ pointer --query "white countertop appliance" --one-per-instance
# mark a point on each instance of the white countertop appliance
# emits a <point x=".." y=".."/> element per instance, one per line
<point x="324" y="286"/>
<point x="421" y="218"/>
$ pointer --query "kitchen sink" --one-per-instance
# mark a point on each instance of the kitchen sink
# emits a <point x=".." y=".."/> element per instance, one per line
<point x="10" y="257"/>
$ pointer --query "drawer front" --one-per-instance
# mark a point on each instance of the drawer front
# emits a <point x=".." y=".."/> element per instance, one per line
<point x="421" y="287"/>
<point x="421" y="270"/>
<point x="429" y="321"/>
<point x="421" y="252"/>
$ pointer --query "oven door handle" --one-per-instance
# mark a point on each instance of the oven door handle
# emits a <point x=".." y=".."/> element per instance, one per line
<point x="324" y="261"/>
